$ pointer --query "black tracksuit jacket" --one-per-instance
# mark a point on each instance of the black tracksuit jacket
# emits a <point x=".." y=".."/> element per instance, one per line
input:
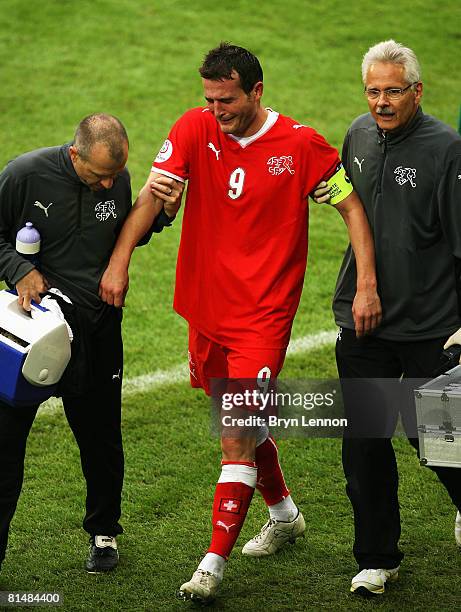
<point x="78" y="230"/>
<point x="410" y="185"/>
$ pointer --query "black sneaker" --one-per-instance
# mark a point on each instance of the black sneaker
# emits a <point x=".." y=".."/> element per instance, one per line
<point x="103" y="555"/>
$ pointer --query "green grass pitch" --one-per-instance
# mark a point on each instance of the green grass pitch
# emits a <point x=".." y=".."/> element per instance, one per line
<point x="61" y="60"/>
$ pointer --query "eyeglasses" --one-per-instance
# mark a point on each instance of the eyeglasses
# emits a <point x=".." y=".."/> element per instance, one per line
<point x="393" y="93"/>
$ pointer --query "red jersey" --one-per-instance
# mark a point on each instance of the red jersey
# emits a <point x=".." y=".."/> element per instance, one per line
<point x="243" y="250"/>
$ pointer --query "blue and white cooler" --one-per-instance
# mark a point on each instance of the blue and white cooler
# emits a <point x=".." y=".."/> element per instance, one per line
<point x="34" y="352"/>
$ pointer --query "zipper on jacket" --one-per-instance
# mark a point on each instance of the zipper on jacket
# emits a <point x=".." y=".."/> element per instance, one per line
<point x="383" y="161"/>
<point x="80" y="211"/>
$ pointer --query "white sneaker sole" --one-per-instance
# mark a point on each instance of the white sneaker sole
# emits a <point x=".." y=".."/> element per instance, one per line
<point x="299" y="532"/>
<point x="368" y="589"/>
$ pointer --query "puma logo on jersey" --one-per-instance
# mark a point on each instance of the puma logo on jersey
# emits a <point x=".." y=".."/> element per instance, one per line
<point x="214" y="149"/>
<point x="296" y="126"/>
<point x="44" y="208"/>
<point x="114" y="376"/>
<point x="359" y="163"/>
<point x="224" y="526"/>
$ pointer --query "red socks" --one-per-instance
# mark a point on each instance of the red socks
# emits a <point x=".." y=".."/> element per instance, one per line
<point x="232" y="498"/>
<point x="234" y="492"/>
<point x="270" y="482"/>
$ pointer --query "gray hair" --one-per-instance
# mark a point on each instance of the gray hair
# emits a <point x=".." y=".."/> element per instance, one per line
<point x="394" y="53"/>
<point x="103" y="129"/>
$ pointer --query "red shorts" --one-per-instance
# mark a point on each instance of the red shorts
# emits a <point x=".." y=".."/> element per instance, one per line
<point x="208" y="360"/>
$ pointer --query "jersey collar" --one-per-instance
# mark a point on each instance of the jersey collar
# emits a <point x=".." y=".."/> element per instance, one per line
<point x="244" y="141"/>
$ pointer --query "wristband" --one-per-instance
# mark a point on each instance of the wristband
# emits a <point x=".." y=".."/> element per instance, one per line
<point x="162" y="220"/>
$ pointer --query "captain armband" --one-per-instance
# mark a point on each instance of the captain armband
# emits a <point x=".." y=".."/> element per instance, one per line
<point x="340" y="186"/>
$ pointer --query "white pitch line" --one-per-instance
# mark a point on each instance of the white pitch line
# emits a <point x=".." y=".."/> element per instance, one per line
<point x="180" y="373"/>
<point x="310" y="342"/>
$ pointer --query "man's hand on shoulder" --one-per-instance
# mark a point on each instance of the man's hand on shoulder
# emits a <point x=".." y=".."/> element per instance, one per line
<point x="30" y="287"/>
<point x="114" y="285"/>
<point x="366" y="311"/>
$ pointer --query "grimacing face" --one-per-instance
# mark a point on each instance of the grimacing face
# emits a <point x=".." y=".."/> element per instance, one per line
<point x="235" y="111"/>
<point x="100" y="170"/>
<point x="392" y="114"/>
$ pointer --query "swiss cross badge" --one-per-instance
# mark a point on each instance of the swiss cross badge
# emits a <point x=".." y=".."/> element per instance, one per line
<point x="278" y="165"/>
<point x="230" y="505"/>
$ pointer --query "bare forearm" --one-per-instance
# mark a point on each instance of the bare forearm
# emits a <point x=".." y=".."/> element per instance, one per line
<point x="138" y="222"/>
<point x="363" y="247"/>
<point x="113" y="285"/>
<point x="114" y="282"/>
<point x="366" y="308"/>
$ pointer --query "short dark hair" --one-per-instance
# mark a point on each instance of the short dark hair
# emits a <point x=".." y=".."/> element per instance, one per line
<point x="219" y="63"/>
<point x="103" y="129"/>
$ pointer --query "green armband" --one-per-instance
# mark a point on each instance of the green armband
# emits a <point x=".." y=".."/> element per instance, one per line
<point x="340" y="186"/>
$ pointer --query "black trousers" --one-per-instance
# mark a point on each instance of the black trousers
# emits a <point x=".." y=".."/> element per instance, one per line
<point x="95" y="420"/>
<point x="372" y="410"/>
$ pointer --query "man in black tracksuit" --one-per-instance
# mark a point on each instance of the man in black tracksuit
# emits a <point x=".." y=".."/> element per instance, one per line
<point x="77" y="196"/>
<point x="406" y="168"/>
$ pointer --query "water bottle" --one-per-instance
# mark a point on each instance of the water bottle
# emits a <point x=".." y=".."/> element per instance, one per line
<point x="28" y="243"/>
